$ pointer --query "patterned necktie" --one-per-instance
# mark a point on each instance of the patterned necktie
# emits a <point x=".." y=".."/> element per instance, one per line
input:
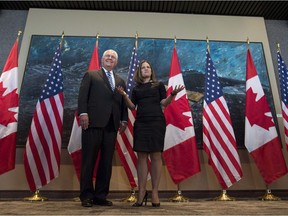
<point x="110" y="80"/>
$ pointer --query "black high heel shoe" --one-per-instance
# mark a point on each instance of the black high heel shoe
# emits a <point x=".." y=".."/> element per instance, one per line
<point x="155" y="204"/>
<point x="137" y="204"/>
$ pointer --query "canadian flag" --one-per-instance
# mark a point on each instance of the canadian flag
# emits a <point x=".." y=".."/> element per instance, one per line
<point x="261" y="138"/>
<point x="180" y="149"/>
<point x="75" y="144"/>
<point x="9" y="100"/>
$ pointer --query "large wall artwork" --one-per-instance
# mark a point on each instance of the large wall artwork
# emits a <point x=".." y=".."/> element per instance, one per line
<point x="229" y="59"/>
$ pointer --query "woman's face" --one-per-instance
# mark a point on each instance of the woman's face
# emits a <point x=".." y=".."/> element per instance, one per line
<point x="146" y="70"/>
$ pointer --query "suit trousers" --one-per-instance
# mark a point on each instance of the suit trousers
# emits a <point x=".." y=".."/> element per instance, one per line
<point x="97" y="141"/>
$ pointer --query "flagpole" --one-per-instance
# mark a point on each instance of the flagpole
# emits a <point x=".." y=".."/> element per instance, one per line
<point x="178" y="197"/>
<point x="132" y="198"/>
<point x="268" y="196"/>
<point x="223" y="196"/>
<point x="77" y="199"/>
<point x="136" y="40"/>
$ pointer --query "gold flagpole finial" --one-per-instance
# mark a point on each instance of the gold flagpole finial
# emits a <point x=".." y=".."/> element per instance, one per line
<point x="278" y="47"/>
<point x="18" y="35"/>
<point x="62" y="38"/>
<point x="248" y="42"/>
<point x="208" y="44"/>
<point x="175" y="41"/>
<point x="97" y="37"/>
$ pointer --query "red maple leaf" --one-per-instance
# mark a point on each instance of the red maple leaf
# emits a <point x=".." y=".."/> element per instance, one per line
<point x="8" y="101"/>
<point x="257" y="110"/>
<point x="173" y="117"/>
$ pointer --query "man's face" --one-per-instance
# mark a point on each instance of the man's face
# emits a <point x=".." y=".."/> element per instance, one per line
<point x="109" y="60"/>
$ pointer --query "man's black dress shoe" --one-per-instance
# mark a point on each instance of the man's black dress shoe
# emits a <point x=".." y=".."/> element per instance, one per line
<point x="87" y="203"/>
<point x="102" y="202"/>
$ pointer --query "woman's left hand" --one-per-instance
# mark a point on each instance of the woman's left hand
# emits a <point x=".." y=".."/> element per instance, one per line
<point x="177" y="89"/>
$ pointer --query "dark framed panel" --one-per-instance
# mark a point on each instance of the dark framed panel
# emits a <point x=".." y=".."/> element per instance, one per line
<point x="229" y="59"/>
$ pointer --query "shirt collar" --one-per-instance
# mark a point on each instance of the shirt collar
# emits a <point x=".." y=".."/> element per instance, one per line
<point x="106" y="71"/>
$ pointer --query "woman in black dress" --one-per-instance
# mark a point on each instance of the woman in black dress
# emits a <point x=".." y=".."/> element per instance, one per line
<point x="148" y="97"/>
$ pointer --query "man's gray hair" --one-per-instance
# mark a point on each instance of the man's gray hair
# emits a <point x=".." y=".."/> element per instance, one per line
<point x="111" y="50"/>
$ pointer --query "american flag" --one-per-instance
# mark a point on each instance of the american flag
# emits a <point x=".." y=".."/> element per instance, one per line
<point x="283" y="77"/>
<point x="43" y="146"/>
<point x="124" y="142"/>
<point x="218" y="136"/>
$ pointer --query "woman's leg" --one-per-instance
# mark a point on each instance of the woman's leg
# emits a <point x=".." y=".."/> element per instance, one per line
<point x="142" y="173"/>
<point x="156" y="169"/>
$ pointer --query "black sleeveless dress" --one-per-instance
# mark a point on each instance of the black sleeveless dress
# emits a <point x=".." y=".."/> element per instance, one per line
<point x="150" y="124"/>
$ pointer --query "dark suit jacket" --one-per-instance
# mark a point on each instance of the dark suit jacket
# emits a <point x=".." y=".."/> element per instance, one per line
<point x="98" y="100"/>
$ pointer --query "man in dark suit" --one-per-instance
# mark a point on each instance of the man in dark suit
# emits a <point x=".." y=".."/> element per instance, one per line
<point x="102" y="113"/>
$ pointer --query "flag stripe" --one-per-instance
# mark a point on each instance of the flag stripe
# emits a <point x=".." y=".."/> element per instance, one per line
<point x="224" y="128"/>
<point x="46" y="127"/>
<point x="218" y="148"/>
<point x="127" y="160"/>
<point x="38" y="133"/>
<point x="285" y="122"/>
<point x="220" y="145"/>
<point x="32" y="164"/>
<point x="127" y="142"/>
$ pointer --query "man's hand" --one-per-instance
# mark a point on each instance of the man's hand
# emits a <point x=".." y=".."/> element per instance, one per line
<point x="84" y="121"/>
<point x="123" y="126"/>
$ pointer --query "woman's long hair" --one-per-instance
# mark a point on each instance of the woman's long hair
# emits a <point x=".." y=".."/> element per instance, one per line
<point x="138" y="75"/>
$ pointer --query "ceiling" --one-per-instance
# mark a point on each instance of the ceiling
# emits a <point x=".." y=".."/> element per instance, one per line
<point x="275" y="10"/>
